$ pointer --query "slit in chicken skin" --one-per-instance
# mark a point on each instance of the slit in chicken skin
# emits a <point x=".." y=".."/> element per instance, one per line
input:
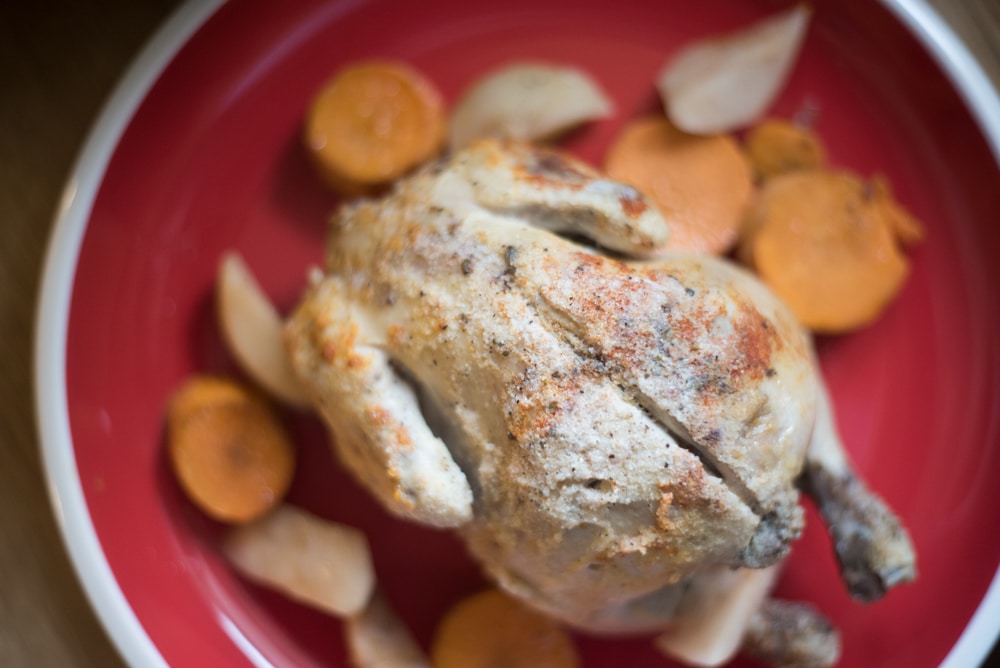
<point x="436" y="418"/>
<point x="632" y="395"/>
<point x="614" y="431"/>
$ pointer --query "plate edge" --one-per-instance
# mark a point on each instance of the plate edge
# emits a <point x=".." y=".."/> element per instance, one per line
<point x="59" y="267"/>
<point x="52" y="325"/>
<point x="960" y="66"/>
<point x="983" y="100"/>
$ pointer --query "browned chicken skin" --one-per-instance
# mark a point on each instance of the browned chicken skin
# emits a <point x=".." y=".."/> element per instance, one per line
<point x="605" y="431"/>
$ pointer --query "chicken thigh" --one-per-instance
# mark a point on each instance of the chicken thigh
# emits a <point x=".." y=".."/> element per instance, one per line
<point x="601" y="431"/>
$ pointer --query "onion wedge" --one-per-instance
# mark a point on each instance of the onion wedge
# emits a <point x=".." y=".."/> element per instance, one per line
<point x="714" y="615"/>
<point x="322" y="564"/>
<point x="377" y="638"/>
<point x="252" y="330"/>
<point x="722" y="83"/>
<point x="527" y="101"/>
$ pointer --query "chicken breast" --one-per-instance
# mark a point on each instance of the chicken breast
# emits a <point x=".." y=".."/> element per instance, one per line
<point x="600" y="430"/>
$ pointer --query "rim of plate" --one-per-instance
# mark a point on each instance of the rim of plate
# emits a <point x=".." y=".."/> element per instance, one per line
<point x="59" y="270"/>
<point x="983" y="101"/>
<point x="52" y="326"/>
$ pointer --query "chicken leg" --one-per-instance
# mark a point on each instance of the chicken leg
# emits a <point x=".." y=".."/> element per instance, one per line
<point x="791" y="635"/>
<point x="873" y="548"/>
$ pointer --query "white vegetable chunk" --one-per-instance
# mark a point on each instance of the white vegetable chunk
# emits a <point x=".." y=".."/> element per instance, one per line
<point x="322" y="564"/>
<point x="252" y="330"/>
<point x="714" y="615"/>
<point x="527" y="101"/>
<point x="377" y="638"/>
<point x="725" y="82"/>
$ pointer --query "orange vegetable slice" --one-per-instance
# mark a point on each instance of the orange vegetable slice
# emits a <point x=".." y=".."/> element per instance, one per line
<point x="373" y="122"/>
<point x="228" y="449"/>
<point x="821" y="241"/>
<point x="701" y="184"/>
<point x="908" y="230"/>
<point x="775" y="146"/>
<point x="492" y="630"/>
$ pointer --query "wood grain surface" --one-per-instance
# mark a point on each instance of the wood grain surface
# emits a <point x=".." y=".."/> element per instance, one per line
<point x="58" y="62"/>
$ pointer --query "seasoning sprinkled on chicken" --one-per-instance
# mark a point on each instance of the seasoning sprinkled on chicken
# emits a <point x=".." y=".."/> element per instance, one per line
<point x="497" y="347"/>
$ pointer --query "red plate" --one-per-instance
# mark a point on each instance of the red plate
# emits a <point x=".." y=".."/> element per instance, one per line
<point x="211" y="161"/>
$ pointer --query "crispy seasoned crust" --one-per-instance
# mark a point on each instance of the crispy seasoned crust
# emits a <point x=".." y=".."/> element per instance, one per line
<point x="603" y="428"/>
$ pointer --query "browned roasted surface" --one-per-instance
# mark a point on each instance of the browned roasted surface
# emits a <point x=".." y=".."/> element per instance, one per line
<point x="609" y="427"/>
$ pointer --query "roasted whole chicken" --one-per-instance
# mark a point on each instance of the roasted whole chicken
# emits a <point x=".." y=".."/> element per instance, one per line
<point x="498" y="347"/>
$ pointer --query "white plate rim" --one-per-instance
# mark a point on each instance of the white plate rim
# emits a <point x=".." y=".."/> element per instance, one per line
<point x="52" y="325"/>
<point x="59" y="269"/>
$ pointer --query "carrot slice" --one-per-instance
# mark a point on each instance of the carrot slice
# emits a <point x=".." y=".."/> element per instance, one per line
<point x="492" y="630"/>
<point x="373" y="122"/>
<point x="775" y="146"/>
<point x="228" y="449"/>
<point x="701" y="184"/>
<point x="820" y="240"/>
<point x="908" y="230"/>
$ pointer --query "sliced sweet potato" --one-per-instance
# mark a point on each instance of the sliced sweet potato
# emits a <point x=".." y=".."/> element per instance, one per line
<point x="373" y="122"/>
<point x="701" y="184"/>
<point x="821" y="241"/>
<point x="776" y="146"/>
<point x="492" y="630"/>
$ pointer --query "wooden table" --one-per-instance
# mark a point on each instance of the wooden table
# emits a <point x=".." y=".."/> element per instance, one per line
<point x="58" y="61"/>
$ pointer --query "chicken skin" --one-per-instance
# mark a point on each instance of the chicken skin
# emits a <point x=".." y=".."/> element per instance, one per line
<point x="497" y="348"/>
